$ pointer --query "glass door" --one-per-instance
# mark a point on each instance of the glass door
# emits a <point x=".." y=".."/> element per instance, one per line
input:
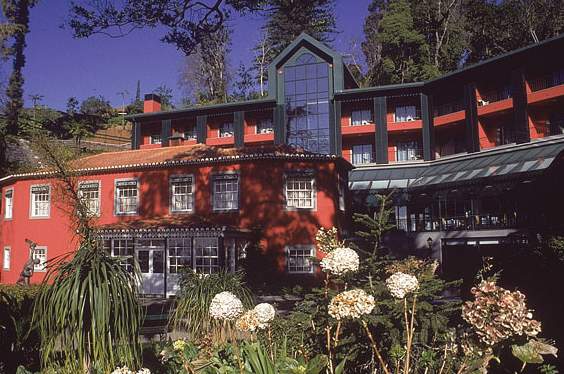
<point x="150" y="257"/>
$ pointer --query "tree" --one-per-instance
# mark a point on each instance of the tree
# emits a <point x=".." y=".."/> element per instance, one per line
<point x="165" y="93"/>
<point x="96" y="106"/>
<point x="205" y="73"/>
<point x="401" y="51"/>
<point x="186" y="22"/>
<point x="286" y="20"/>
<point x="244" y="85"/>
<point x="76" y="124"/>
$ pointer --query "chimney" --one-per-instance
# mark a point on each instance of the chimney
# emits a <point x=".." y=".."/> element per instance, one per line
<point x="152" y="103"/>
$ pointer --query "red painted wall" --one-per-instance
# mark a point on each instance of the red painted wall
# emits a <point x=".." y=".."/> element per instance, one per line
<point x="261" y="207"/>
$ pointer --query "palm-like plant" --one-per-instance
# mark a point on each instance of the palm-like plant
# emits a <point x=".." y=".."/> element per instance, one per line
<point x="88" y="316"/>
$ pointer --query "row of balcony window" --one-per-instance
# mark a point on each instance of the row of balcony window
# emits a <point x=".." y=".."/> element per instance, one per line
<point x="404" y="152"/>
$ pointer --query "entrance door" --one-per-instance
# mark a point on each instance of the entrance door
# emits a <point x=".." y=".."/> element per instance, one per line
<point x="151" y="259"/>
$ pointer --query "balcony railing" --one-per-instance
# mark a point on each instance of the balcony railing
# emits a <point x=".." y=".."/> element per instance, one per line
<point x="447" y="108"/>
<point x="460" y="223"/>
<point x="408" y="117"/>
<point x="546" y="81"/>
<point x="492" y="96"/>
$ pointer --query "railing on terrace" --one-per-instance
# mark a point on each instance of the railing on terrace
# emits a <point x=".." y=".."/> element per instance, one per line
<point x="492" y="96"/>
<point x="460" y="223"/>
<point x="363" y="158"/>
<point x="447" y="108"/>
<point x="553" y="79"/>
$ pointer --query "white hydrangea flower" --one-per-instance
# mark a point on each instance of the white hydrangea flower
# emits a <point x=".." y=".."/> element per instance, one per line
<point x="265" y="314"/>
<point x="226" y="306"/>
<point x="351" y="304"/>
<point x="400" y="284"/>
<point x="341" y="261"/>
<point x="248" y="321"/>
<point x="125" y="370"/>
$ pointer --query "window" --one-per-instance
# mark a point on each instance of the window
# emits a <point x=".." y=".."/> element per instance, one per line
<point x="40" y="201"/>
<point x="40" y="253"/>
<point x="300" y="259"/>
<point x="362" y="154"/>
<point x="6" y="259"/>
<point x="123" y="248"/>
<point x="408" y="151"/>
<point x="156" y="139"/>
<point x="206" y="255"/>
<point x="226" y="130"/>
<point x="89" y="193"/>
<point x="181" y="193"/>
<point x="342" y="188"/>
<point x="226" y="192"/>
<point x="300" y="192"/>
<point x="405" y="113"/>
<point x="9" y="204"/>
<point x="264" y="126"/>
<point x="126" y="197"/>
<point x="401" y="217"/>
<point x="306" y="94"/>
<point x="190" y="133"/>
<point x="179" y="255"/>
<point x="361" y="117"/>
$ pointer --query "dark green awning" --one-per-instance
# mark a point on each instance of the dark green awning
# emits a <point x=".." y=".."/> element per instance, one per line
<point x="508" y="161"/>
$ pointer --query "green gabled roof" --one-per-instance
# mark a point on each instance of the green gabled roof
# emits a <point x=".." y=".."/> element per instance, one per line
<point x="201" y="109"/>
<point x="300" y="41"/>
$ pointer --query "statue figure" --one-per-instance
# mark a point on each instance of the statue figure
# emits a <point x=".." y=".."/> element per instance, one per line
<point x="27" y="271"/>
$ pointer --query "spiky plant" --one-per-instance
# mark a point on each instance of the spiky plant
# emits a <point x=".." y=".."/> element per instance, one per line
<point x="87" y="311"/>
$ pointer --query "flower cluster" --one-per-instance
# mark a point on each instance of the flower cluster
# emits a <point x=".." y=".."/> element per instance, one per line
<point x="125" y="370"/>
<point x="351" y="304"/>
<point x="226" y="306"/>
<point x="340" y="261"/>
<point x="327" y="240"/>
<point x="257" y="318"/>
<point x="497" y="314"/>
<point x="179" y="345"/>
<point x="400" y="284"/>
<point x="415" y="266"/>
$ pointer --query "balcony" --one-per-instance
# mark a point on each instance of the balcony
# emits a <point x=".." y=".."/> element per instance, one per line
<point x="449" y="113"/>
<point x="494" y="101"/>
<point x="546" y="87"/>
<point x="363" y="129"/>
<point x="457" y="223"/>
<point x="408" y="155"/>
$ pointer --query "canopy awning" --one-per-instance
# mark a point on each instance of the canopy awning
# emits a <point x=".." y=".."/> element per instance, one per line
<point x="509" y="161"/>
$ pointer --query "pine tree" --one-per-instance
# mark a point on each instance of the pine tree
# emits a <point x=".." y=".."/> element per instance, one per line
<point x="287" y="19"/>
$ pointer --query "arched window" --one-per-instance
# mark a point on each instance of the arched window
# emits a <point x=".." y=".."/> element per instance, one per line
<point x="306" y="93"/>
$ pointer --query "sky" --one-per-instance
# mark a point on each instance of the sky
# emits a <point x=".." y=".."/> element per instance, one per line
<point x="59" y="66"/>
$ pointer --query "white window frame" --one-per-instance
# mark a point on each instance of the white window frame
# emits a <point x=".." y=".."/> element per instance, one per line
<point x="10" y="205"/>
<point x="116" y="193"/>
<point x="32" y="202"/>
<point x="362" y="154"/>
<point x="266" y="130"/>
<point x="308" y="178"/>
<point x="127" y="261"/>
<point x="176" y="179"/>
<point x="224" y="132"/>
<point x="6" y="258"/>
<point x="301" y="247"/>
<point x="224" y="177"/>
<point x="40" y="267"/>
<point x="173" y="259"/>
<point x="205" y="267"/>
<point x="365" y="117"/>
<point x="98" y="211"/>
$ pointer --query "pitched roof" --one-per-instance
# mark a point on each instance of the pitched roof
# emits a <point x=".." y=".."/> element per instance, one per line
<point x="180" y="155"/>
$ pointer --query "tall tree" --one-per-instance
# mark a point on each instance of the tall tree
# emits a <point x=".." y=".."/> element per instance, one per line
<point x="186" y="23"/>
<point x="13" y="42"/>
<point x="165" y="93"/>
<point x="204" y="75"/>
<point x="404" y="52"/>
<point x="286" y="20"/>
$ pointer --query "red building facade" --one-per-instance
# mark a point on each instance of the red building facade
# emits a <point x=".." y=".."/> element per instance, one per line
<point x="202" y="183"/>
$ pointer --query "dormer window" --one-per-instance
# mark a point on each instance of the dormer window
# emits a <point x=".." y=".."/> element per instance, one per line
<point x="226" y="130"/>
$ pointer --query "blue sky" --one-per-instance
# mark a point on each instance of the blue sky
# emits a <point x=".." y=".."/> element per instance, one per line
<point x="59" y="66"/>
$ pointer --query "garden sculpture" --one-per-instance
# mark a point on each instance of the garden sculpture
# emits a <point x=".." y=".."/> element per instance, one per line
<point x="27" y="271"/>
